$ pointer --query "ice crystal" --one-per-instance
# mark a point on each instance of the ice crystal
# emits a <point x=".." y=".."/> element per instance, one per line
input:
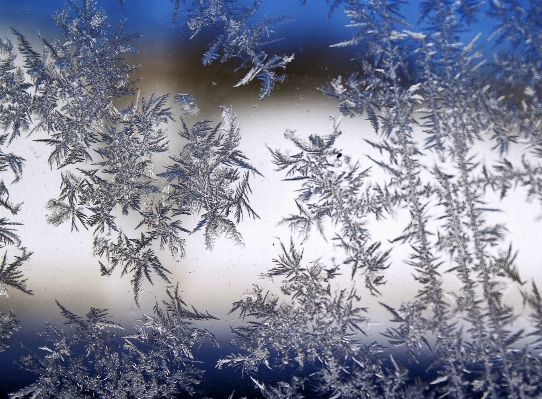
<point x="205" y="178"/>
<point x="235" y="38"/>
<point x="108" y="153"/>
<point x="188" y="104"/>
<point x="459" y="108"/>
<point x="11" y="276"/>
<point x="91" y="359"/>
<point x="407" y="77"/>
<point x="14" y="118"/>
<point x="315" y="327"/>
<point x="332" y="187"/>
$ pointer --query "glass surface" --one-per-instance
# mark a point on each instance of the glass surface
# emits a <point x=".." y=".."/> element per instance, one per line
<point x="276" y="199"/>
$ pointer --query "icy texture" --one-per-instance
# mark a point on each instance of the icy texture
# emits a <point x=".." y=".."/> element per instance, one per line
<point x="235" y="37"/>
<point x="91" y="360"/>
<point x="312" y="330"/>
<point x="14" y="118"/>
<point x="108" y="153"/>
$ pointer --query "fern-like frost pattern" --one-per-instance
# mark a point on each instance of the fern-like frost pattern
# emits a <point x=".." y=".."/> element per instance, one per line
<point x="430" y="98"/>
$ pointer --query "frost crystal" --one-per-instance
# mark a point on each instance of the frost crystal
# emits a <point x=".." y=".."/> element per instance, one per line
<point x="92" y="360"/>
<point x="310" y="331"/>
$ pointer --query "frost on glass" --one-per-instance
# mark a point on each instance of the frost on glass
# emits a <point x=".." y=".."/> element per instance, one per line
<point x="107" y="154"/>
<point x="93" y="359"/>
<point x="14" y="118"/>
<point x="310" y="332"/>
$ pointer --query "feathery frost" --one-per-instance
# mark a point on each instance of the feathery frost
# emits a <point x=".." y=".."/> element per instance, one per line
<point x="430" y="96"/>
